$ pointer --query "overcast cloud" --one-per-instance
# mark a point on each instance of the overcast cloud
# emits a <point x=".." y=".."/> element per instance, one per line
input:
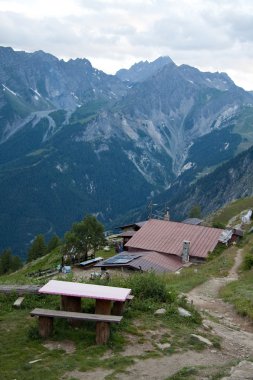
<point x="209" y="34"/>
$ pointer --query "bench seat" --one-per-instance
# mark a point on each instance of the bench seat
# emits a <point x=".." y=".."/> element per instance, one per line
<point x="46" y="317"/>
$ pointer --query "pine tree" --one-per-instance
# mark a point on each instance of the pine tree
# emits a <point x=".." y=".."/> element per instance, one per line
<point x="54" y="242"/>
<point x="8" y="262"/>
<point x="5" y="261"/>
<point x="37" y="249"/>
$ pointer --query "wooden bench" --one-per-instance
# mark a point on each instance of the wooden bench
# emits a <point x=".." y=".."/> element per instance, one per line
<point x="102" y="322"/>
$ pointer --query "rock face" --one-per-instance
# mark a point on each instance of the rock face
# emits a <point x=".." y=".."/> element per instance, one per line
<point x="75" y="140"/>
<point x="231" y="181"/>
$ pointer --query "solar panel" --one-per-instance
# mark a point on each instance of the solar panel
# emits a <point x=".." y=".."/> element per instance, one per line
<point x="123" y="261"/>
<point x="120" y="259"/>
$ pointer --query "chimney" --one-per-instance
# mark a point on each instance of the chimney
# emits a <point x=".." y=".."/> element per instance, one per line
<point x="186" y="251"/>
<point x="166" y="216"/>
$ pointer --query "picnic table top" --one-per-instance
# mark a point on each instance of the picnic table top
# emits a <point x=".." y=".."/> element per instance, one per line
<point x="75" y="289"/>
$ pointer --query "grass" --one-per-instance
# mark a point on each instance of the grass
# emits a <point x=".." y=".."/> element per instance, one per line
<point x="20" y="343"/>
<point x="50" y="260"/>
<point x="196" y="275"/>
<point x="234" y="208"/>
<point x="240" y="293"/>
<point x="185" y="373"/>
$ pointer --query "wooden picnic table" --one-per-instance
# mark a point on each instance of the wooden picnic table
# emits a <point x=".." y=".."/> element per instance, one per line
<point x="72" y="292"/>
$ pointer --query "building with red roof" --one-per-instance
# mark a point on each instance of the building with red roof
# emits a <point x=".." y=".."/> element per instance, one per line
<point x="172" y="238"/>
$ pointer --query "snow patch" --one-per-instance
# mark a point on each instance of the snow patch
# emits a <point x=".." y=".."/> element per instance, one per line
<point x="91" y="188"/>
<point x="62" y="167"/>
<point x="36" y="92"/>
<point x="74" y="95"/>
<point x="8" y="89"/>
<point x="187" y="166"/>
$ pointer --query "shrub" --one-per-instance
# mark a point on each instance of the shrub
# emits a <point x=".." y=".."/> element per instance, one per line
<point x="147" y="286"/>
<point x="248" y="261"/>
<point x="218" y="225"/>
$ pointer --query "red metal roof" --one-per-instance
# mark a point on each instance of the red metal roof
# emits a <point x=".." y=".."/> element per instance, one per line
<point x="146" y="261"/>
<point x="157" y="262"/>
<point x="167" y="237"/>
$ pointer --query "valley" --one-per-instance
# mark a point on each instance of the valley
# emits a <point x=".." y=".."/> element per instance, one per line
<point x="76" y="141"/>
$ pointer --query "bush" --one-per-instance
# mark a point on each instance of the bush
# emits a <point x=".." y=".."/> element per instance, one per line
<point x="218" y="225"/>
<point x="146" y="286"/>
<point x="247" y="261"/>
<point x="150" y="286"/>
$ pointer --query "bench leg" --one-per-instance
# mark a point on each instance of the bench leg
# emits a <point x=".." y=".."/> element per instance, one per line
<point x="45" y="326"/>
<point x="118" y="308"/>
<point x="102" y="332"/>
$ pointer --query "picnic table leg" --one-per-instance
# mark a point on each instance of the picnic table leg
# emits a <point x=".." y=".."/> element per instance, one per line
<point x="45" y="326"/>
<point x="103" y="328"/>
<point x="69" y="303"/>
<point x="118" y="308"/>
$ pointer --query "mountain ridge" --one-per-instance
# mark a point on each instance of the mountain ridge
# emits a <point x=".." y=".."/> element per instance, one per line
<point x="75" y="140"/>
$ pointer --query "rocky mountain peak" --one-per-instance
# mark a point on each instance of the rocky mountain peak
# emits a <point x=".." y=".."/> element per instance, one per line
<point x="142" y="70"/>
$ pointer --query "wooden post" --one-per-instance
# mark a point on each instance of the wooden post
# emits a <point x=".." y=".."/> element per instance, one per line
<point x="103" y="307"/>
<point x="118" y="308"/>
<point x="45" y="326"/>
<point x="71" y="304"/>
<point x="103" y="328"/>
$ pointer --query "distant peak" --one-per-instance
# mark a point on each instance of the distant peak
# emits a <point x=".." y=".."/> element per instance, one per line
<point x="41" y="53"/>
<point x="142" y="70"/>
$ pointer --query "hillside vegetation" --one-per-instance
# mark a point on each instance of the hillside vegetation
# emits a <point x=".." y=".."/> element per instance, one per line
<point x="25" y="356"/>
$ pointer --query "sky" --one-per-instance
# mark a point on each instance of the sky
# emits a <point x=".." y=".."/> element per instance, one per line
<point x="212" y="35"/>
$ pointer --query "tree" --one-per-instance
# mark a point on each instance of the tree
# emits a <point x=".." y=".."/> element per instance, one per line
<point x="8" y="262"/>
<point x="16" y="263"/>
<point x="5" y="260"/>
<point x="54" y="242"/>
<point x="85" y="236"/>
<point x="195" y="211"/>
<point x="37" y="249"/>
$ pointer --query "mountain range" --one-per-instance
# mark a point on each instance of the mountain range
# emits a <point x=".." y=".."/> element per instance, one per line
<point x="75" y="140"/>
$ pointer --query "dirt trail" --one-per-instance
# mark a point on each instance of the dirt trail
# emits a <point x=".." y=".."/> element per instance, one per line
<point x="206" y="298"/>
<point x="236" y="335"/>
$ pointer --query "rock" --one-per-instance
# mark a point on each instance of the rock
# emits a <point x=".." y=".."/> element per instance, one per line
<point x="243" y="371"/>
<point x="202" y="339"/>
<point x="163" y="346"/>
<point x="35" y="361"/>
<point x="184" y="313"/>
<point x="160" y="311"/>
<point x="206" y="327"/>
